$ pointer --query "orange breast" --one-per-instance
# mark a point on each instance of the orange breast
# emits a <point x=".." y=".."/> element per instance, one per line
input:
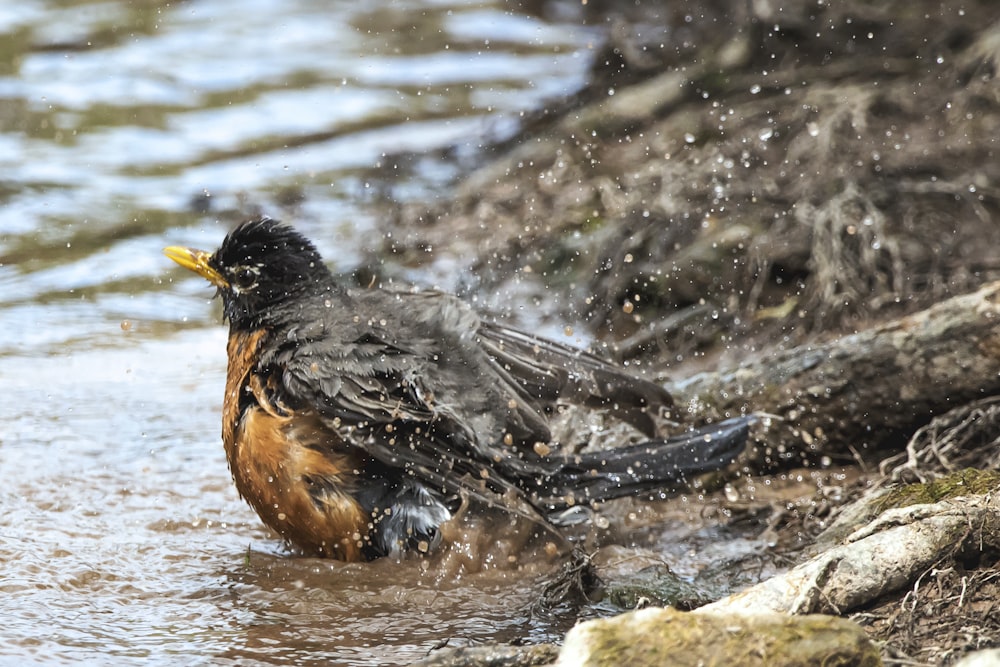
<point x="292" y="470"/>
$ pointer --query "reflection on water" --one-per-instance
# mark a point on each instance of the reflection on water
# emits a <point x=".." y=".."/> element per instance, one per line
<point x="128" y="126"/>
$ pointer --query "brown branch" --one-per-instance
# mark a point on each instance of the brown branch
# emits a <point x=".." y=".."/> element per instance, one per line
<point x="868" y="392"/>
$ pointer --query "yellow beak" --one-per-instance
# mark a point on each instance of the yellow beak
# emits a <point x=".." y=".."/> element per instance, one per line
<point x="197" y="261"/>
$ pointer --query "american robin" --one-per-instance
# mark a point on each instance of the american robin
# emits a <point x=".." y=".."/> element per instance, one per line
<point x="356" y="421"/>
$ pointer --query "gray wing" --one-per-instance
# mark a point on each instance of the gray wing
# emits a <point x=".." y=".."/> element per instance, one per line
<point x="405" y="381"/>
<point x="385" y="357"/>
<point x="421" y="384"/>
<point x="547" y="372"/>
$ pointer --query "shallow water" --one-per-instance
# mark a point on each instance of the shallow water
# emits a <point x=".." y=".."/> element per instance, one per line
<point x="128" y="126"/>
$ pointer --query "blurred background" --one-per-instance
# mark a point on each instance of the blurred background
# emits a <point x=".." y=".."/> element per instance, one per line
<point x="127" y="125"/>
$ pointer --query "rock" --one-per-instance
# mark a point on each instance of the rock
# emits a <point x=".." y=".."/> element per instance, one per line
<point x="491" y="656"/>
<point x="987" y="658"/>
<point x="884" y="556"/>
<point x="655" y="586"/>
<point x="658" y="636"/>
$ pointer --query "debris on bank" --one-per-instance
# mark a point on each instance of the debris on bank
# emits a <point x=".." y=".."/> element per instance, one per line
<point x="793" y="209"/>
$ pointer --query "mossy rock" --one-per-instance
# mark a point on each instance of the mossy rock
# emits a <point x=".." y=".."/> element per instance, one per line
<point x="652" y="637"/>
<point x="968" y="482"/>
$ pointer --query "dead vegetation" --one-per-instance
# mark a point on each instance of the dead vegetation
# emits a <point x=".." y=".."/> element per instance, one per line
<point x="803" y="176"/>
<point x="965" y="437"/>
<point x="772" y="188"/>
<point x="949" y="611"/>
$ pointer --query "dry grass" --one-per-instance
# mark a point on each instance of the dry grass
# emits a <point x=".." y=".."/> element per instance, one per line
<point x="795" y="185"/>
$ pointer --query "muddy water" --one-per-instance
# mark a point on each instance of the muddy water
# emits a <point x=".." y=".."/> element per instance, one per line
<point x="127" y="126"/>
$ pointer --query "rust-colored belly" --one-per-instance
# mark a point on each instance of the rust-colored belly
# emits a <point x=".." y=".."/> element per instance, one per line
<point x="291" y="469"/>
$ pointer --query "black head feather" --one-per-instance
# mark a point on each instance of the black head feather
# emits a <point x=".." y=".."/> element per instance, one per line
<point x="267" y="265"/>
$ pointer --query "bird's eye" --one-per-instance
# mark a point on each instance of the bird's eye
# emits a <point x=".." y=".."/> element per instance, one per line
<point x="245" y="277"/>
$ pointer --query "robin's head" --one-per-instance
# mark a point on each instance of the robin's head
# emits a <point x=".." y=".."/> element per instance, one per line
<point x="260" y="266"/>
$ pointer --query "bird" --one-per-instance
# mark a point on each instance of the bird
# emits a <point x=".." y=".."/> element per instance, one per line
<point x="356" y="421"/>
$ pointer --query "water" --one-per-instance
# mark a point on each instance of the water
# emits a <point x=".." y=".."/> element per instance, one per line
<point x="128" y="126"/>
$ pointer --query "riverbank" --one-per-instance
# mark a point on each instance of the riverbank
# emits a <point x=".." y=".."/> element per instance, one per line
<point x="742" y="182"/>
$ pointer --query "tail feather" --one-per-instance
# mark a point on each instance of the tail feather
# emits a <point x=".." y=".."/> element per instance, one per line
<point x="656" y="465"/>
